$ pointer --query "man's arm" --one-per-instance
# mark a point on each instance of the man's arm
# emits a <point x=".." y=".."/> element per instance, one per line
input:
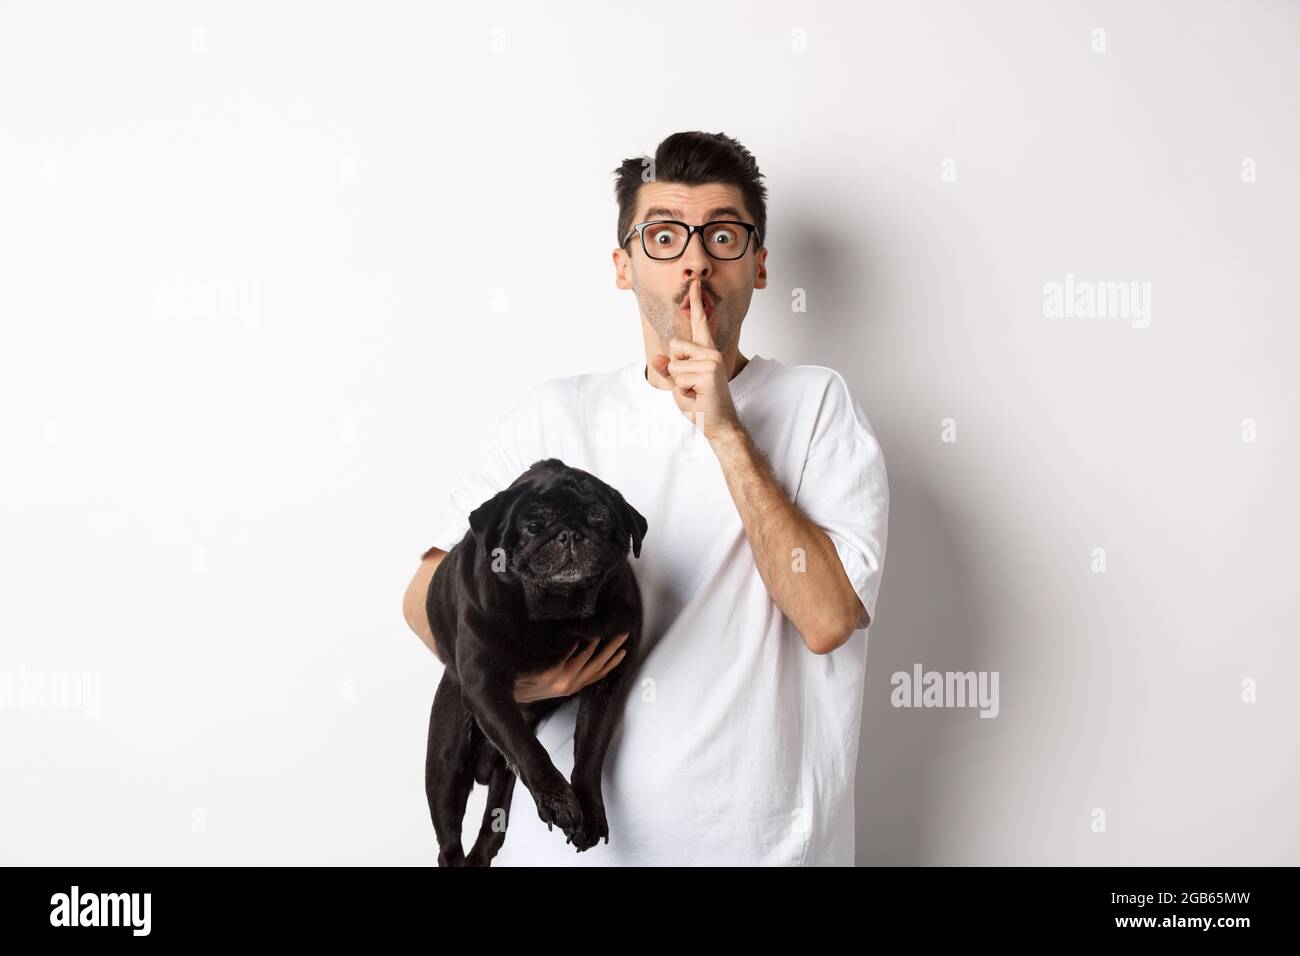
<point x="812" y="590"/>
<point x="413" y="602"/>
<point x="796" y="559"/>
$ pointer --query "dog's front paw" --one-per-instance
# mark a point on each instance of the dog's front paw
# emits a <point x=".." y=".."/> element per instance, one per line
<point x="558" y="805"/>
<point x="594" y="825"/>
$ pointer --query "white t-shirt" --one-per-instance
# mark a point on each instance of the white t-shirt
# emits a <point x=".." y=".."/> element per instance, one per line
<point x="738" y="745"/>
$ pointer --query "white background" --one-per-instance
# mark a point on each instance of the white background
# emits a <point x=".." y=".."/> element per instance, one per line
<point x="264" y="280"/>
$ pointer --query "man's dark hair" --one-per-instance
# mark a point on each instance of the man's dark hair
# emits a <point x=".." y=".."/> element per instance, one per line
<point x="694" y="159"/>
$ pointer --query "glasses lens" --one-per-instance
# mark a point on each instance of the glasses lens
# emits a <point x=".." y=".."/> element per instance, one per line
<point x="663" y="240"/>
<point x="726" y="240"/>
<point x="723" y="240"/>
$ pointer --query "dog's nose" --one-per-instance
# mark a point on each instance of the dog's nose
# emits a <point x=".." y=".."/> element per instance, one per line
<point x="568" y="537"/>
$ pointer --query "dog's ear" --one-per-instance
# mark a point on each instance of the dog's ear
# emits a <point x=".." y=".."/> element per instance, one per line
<point x="490" y="521"/>
<point x="632" y="520"/>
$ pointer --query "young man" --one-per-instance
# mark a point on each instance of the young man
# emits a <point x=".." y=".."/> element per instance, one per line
<point x="766" y="498"/>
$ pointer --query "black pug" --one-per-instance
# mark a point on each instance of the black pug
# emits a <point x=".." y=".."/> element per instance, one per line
<point x="544" y="564"/>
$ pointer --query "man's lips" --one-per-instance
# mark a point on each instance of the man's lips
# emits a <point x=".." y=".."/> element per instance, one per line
<point x="705" y="303"/>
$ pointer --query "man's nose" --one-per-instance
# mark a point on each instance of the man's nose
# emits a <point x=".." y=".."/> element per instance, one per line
<point x="695" y="261"/>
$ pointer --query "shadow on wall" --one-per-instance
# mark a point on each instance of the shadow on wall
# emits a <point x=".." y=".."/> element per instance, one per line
<point x="929" y="610"/>
<point x="929" y="614"/>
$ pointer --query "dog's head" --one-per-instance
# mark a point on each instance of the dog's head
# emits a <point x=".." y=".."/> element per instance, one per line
<point x="562" y="528"/>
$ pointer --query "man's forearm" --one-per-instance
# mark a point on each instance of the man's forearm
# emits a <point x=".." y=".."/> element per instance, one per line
<point x="795" y="558"/>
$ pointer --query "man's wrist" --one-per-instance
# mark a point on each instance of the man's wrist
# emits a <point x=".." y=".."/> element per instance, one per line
<point x="728" y="437"/>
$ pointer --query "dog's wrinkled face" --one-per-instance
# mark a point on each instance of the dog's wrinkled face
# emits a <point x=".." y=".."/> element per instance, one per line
<point x="561" y="528"/>
<point x="565" y="540"/>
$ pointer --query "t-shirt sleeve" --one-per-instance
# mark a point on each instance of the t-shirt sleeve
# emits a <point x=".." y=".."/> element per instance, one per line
<point x="844" y="490"/>
<point x="505" y="452"/>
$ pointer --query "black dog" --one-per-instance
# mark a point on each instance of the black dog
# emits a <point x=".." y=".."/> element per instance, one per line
<point x="544" y="564"/>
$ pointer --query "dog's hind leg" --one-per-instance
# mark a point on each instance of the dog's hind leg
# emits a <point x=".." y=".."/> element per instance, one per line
<point x="600" y="709"/>
<point x="449" y="768"/>
<point x="496" y="815"/>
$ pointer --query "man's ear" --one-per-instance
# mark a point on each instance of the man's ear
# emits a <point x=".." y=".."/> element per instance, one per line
<point x="632" y="521"/>
<point x="622" y="270"/>
<point x="490" y="521"/>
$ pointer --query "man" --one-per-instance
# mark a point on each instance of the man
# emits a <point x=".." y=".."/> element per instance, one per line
<point x="767" y="501"/>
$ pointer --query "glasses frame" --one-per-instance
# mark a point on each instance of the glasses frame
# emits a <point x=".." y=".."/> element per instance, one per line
<point x="639" y="229"/>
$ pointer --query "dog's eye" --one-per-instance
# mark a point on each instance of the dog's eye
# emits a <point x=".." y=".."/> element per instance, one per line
<point x="598" y="518"/>
<point x="533" y="525"/>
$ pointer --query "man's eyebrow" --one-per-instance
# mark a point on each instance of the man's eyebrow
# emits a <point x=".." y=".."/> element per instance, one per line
<point x="660" y="212"/>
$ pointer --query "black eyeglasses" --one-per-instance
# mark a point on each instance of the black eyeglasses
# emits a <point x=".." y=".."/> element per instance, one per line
<point x="665" y="239"/>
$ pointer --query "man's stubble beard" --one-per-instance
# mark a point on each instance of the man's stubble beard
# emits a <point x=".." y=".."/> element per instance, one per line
<point x="662" y="313"/>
